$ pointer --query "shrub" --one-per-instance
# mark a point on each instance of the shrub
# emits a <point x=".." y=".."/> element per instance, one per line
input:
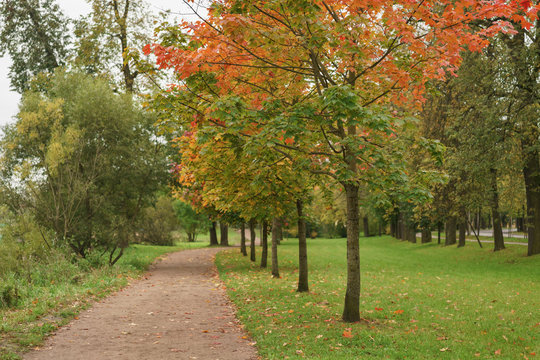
<point x="158" y="222"/>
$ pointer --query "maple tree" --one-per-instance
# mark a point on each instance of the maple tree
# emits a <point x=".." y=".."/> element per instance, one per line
<point x="327" y="82"/>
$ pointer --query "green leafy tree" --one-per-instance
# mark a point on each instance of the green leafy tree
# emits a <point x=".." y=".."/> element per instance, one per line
<point x="191" y="221"/>
<point x="34" y="33"/>
<point x="81" y="158"/>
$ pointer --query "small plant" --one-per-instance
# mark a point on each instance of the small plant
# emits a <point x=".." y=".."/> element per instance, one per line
<point x="9" y="295"/>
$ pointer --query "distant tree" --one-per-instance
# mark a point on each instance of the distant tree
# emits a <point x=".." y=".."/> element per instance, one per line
<point x="157" y="222"/>
<point x="35" y="35"/>
<point x="190" y="221"/>
<point x="109" y="39"/>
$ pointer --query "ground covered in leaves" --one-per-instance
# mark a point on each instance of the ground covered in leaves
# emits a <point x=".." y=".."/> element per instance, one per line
<point x="418" y="302"/>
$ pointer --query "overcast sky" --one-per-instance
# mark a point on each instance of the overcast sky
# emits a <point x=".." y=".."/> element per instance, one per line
<point x="9" y="100"/>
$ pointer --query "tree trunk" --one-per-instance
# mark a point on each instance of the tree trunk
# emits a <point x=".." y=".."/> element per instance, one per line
<point x="243" y="249"/>
<point x="276" y="229"/>
<point x="426" y="236"/>
<point x="121" y="19"/>
<point x="450" y="231"/>
<point x="462" y="233"/>
<point x="439" y="226"/>
<point x="302" y="250"/>
<point x="351" y="311"/>
<point x="213" y="234"/>
<point x="264" y="244"/>
<point x="252" y="237"/>
<point x="411" y="233"/>
<point x="393" y="227"/>
<point x="402" y="228"/>
<point x="224" y="232"/>
<point x="531" y="173"/>
<point x="497" y="227"/>
<point x="366" y="226"/>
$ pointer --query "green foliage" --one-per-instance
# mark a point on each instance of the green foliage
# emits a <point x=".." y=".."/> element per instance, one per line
<point x="83" y="161"/>
<point x="35" y="35"/>
<point x="419" y="301"/>
<point x="191" y="221"/>
<point x="158" y="222"/>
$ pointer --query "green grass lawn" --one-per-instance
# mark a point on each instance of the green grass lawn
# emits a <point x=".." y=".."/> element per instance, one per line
<point x="55" y="293"/>
<point x="418" y="302"/>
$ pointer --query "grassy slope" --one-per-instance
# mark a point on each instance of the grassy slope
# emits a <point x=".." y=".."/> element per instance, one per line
<point x="418" y="302"/>
<point x="49" y="303"/>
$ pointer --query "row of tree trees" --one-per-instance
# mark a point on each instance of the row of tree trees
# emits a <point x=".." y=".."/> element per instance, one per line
<point x="274" y="98"/>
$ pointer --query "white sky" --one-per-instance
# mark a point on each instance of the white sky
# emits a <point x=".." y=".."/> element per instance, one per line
<point x="9" y="100"/>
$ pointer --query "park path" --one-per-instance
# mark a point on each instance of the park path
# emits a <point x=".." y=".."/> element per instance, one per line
<point x="177" y="311"/>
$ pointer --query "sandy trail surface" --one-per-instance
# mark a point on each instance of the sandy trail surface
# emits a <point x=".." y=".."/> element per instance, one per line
<point x="177" y="311"/>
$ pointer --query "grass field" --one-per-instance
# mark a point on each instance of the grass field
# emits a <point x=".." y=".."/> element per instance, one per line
<point x="418" y="302"/>
<point x="55" y="293"/>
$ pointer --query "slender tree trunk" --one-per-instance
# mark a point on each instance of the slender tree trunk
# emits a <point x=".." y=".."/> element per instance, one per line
<point x="243" y="249"/>
<point x="264" y="244"/>
<point x="497" y="226"/>
<point x="402" y="228"/>
<point x="462" y="233"/>
<point x="411" y="233"/>
<point x="351" y="311"/>
<point x="276" y="229"/>
<point x="303" y="285"/>
<point x="439" y="226"/>
<point x="531" y="173"/>
<point x="450" y="231"/>
<point x="426" y="236"/>
<point x="366" y="226"/>
<point x="224" y="232"/>
<point x="213" y="234"/>
<point x="393" y="227"/>
<point x="252" y="238"/>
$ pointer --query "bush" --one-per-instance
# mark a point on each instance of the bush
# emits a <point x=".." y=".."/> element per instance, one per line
<point x="158" y="222"/>
<point x="9" y="294"/>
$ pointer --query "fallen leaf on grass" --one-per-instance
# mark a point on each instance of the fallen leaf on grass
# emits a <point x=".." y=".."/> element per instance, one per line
<point x="347" y="333"/>
<point x="398" y="312"/>
<point x="378" y="309"/>
<point x="444" y="349"/>
<point x="497" y="352"/>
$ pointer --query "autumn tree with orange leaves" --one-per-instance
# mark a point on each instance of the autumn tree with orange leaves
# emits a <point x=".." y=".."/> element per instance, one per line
<point x="327" y="83"/>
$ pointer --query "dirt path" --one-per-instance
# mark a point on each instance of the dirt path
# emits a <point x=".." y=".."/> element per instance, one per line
<point x="178" y="311"/>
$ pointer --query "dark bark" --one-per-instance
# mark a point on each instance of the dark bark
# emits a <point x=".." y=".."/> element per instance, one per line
<point x="462" y="233"/>
<point x="402" y="228"/>
<point x="303" y="285"/>
<point x="276" y="229"/>
<point x="252" y="238"/>
<point x="450" y="231"/>
<point x="351" y="311"/>
<point x="243" y="249"/>
<point x="393" y="227"/>
<point x="411" y="233"/>
<point x="366" y="226"/>
<point x="121" y="18"/>
<point x="264" y="244"/>
<point x="213" y="234"/>
<point x="531" y="173"/>
<point x="426" y="236"/>
<point x="224" y="233"/>
<point x="439" y="230"/>
<point x="494" y="203"/>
